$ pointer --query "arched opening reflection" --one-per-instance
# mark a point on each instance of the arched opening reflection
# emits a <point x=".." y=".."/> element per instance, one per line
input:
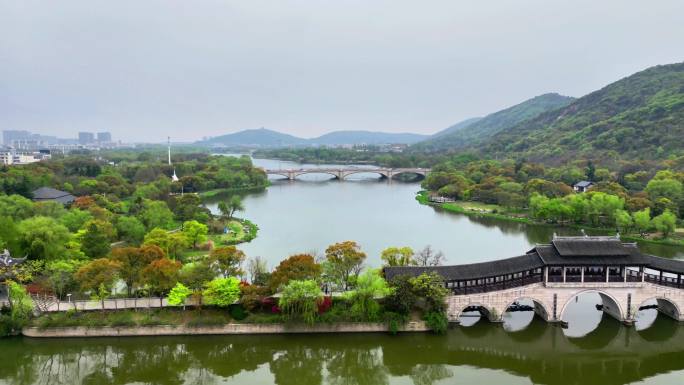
<point x="584" y="312"/>
<point x="520" y="313"/>
<point x="653" y="311"/>
<point x="472" y="315"/>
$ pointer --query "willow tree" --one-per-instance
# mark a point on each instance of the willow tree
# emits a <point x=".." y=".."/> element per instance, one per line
<point x="300" y="300"/>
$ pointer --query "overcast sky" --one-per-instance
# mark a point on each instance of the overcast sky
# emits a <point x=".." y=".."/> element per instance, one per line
<point x="191" y="68"/>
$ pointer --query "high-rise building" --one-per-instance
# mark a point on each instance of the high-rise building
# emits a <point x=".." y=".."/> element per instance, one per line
<point x="86" y="138"/>
<point x="11" y="136"/>
<point x="104" y="137"/>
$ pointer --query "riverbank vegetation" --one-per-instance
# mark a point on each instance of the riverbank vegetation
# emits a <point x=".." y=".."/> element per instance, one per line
<point x="215" y="289"/>
<point x="638" y="203"/>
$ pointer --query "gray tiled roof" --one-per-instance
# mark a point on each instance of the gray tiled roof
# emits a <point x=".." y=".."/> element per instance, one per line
<point x="51" y="194"/>
<point x="562" y="251"/>
<point x="471" y="271"/>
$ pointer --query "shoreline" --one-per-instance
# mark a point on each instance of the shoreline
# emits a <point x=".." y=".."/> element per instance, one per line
<point x="455" y="208"/>
<point x="225" y="329"/>
<point x="218" y="191"/>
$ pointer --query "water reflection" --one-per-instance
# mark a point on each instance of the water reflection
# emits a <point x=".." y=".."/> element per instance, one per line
<point x="540" y="353"/>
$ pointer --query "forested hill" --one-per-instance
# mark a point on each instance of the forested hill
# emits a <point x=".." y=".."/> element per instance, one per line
<point x="482" y="129"/>
<point x="638" y="117"/>
<point x="258" y="137"/>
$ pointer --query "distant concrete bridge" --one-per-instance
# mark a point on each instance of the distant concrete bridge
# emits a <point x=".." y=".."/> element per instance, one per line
<point x="342" y="173"/>
<point x="552" y="275"/>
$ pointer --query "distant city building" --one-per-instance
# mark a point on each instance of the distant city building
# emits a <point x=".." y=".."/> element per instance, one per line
<point x="104" y="137"/>
<point x="86" y="138"/>
<point x="12" y="157"/>
<point x="11" y="136"/>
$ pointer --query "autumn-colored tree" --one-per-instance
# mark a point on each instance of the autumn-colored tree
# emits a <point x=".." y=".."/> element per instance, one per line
<point x="162" y="275"/>
<point x="344" y="260"/>
<point x="398" y="256"/>
<point x="297" y="267"/>
<point x="133" y="260"/>
<point x="98" y="277"/>
<point x="227" y="261"/>
<point x="83" y="202"/>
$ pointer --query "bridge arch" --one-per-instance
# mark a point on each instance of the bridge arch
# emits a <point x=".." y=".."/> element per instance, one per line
<point x="485" y="311"/>
<point x="420" y="174"/>
<point x="540" y="309"/>
<point x="383" y="174"/>
<point x="611" y="305"/>
<point x="666" y="306"/>
<point x="300" y="173"/>
<point x="283" y="174"/>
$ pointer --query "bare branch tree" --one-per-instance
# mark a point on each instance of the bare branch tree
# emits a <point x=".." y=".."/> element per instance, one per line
<point x="429" y="257"/>
<point x="256" y="267"/>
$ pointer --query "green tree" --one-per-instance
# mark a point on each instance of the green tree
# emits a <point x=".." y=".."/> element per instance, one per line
<point x="398" y="256"/>
<point x="665" y="223"/>
<point x="195" y="232"/>
<point x="16" y="207"/>
<point x="75" y="219"/>
<point x="623" y="221"/>
<point x="20" y="303"/>
<point x="430" y="287"/>
<point x="158" y="237"/>
<point x="60" y="275"/>
<point x="195" y="275"/>
<point x="299" y="267"/>
<point x="402" y="298"/>
<point x="43" y="238"/>
<point x="178" y="294"/>
<point x="642" y="220"/>
<point x="222" y="292"/>
<point x="227" y="260"/>
<point x="130" y="229"/>
<point x="300" y="299"/>
<point x="156" y="214"/>
<point x="364" y="298"/>
<point x="669" y="188"/>
<point x="94" y="242"/>
<point x="176" y="242"/>
<point x="344" y="261"/>
<point x="233" y="205"/>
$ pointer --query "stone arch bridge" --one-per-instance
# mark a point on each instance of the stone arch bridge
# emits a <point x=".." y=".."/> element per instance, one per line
<point x="342" y="173"/>
<point x="552" y="275"/>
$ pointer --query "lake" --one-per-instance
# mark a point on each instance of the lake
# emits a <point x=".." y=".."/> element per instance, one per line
<point x="309" y="214"/>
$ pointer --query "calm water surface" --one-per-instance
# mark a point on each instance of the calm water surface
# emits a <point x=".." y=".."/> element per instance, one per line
<point x="481" y="354"/>
<point x="307" y="216"/>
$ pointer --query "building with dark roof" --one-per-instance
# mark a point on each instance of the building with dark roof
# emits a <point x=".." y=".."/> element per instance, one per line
<point x="582" y="186"/>
<point x="45" y="194"/>
<point x="564" y="260"/>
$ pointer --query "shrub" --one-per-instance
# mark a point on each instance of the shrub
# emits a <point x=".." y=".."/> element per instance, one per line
<point x="395" y="321"/>
<point x="237" y="312"/>
<point x="325" y="305"/>
<point x="222" y="291"/>
<point x="402" y="299"/>
<point x="436" y="321"/>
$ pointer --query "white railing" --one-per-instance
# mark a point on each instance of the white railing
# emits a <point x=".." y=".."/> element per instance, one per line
<point x="50" y="304"/>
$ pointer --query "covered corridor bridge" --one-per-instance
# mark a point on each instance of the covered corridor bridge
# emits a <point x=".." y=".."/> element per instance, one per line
<point x="551" y="275"/>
